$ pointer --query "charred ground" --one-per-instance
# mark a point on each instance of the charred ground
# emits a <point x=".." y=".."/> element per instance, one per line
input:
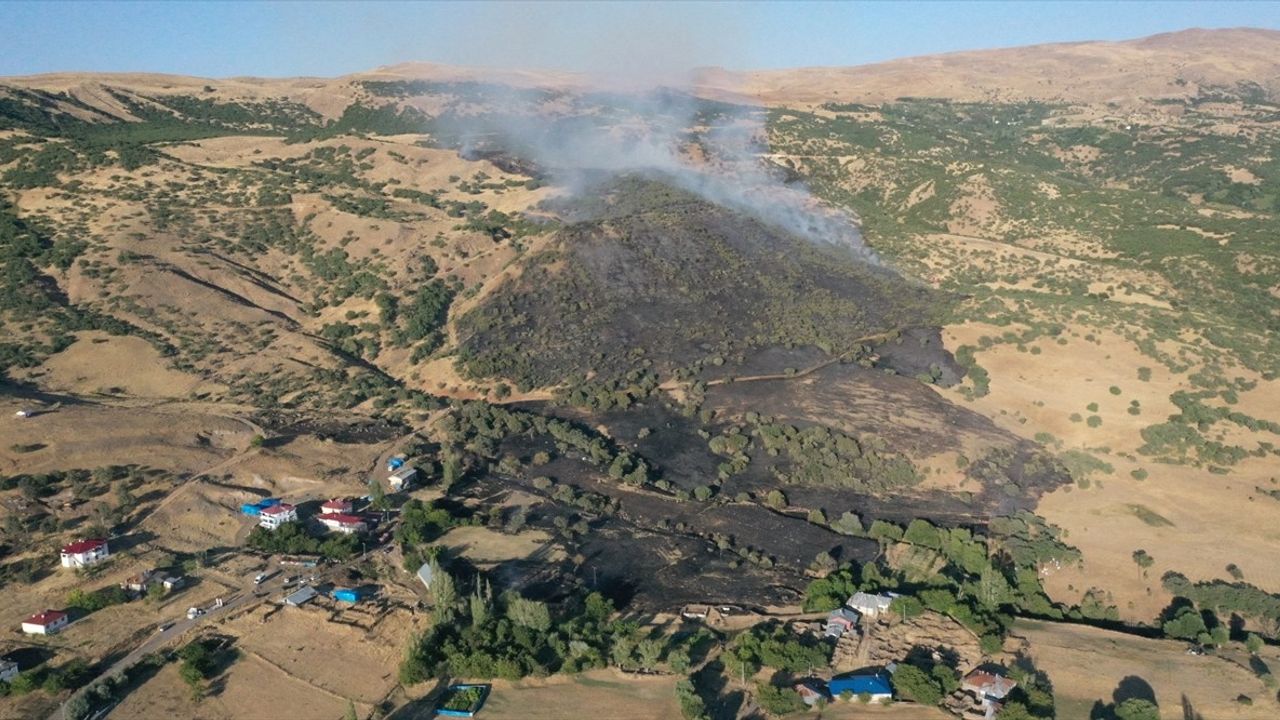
<point x="662" y="281"/>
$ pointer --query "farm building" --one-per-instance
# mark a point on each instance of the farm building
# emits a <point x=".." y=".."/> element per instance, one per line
<point x="45" y="623"/>
<point x="255" y="509"/>
<point x="84" y="553"/>
<point x="403" y="479"/>
<point x="841" y="621"/>
<point x="337" y="506"/>
<point x="302" y="596"/>
<point x="988" y="688"/>
<point x="876" y="685"/>
<point x="812" y="691"/>
<point x="870" y="605"/>
<point x="138" y="583"/>
<point x="345" y="524"/>
<point x="8" y="670"/>
<point x="277" y="515"/>
<point x="346" y="595"/>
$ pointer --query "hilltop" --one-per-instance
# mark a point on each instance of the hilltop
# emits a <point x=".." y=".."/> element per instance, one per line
<point x="1128" y="73"/>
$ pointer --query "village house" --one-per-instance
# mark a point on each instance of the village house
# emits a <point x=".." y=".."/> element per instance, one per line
<point x="138" y="583"/>
<point x="45" y="623"/>
<point x="170" y="582"/>
<point x="8" y="671"/>
<point x="345" y="524"/>
<point x="277" y="515"/>
<point x="988" y="688"/>
<point x="84" y="553"/>
<point x="403" y="479"/>
<point x="870" y="605"/>
<point x="337" y="506"/>
<point x="841" y="621"/>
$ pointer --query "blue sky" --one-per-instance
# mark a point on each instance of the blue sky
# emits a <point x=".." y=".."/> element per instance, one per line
<point x="218" y="39"/>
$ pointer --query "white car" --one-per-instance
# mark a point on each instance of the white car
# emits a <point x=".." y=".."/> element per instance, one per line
<point x="259" y="578"/>
<point x="193" y="613"/>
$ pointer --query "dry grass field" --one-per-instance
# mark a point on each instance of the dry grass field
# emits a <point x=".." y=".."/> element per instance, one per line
<point x="1088" y="665"/>
<point x="605" y="694"/>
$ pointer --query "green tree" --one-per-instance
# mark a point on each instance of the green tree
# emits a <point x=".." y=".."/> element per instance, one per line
<point x="1014" y="710"/>
<point x="778" y="701"/>
<point x="529" y="613"/>
<point x="648" y="651"/>
<point x="1137" y="709"/>
<point x="377" y="495"/>
<point x="906" y="606"/>
<point x="1253" y="643"/>
<point x="776" y="499"/>
<point x="1187" y="624"/>
<point x="912" y="683"/>
<point x="1142" y="559"/>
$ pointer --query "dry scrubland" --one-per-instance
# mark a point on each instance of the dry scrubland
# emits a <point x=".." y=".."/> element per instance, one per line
<point x="284" y="280"/>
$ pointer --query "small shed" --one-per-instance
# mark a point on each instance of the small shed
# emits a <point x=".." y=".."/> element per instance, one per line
<point x="403" y="479"/>
<point x="302" y="596"/>
<point x="841" y="621"/>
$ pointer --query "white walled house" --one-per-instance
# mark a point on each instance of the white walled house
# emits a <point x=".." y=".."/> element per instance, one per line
<point x="45" y="623"/>
<point x="870" y="605"/>
<point x="84" y="553"/>
<point x="277" y="515"/>
<point x="345" y="524"/>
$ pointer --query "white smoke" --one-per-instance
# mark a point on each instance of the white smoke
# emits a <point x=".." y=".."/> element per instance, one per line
<point x="712" y="149"/>
<point x="637" y="111"/>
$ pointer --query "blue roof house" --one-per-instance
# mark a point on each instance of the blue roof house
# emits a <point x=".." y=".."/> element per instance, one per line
<point x="874" y="684"/>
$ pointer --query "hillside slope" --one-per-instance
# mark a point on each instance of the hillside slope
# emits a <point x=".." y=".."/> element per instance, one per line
<point x="1128" y="73"/>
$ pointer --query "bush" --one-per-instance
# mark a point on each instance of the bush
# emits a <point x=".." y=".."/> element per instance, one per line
<point x="778" y="701"/>
<point x="912" y="683"/>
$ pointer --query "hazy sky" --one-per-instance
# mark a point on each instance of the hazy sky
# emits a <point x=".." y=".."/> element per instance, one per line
<point x="330" y="38"/>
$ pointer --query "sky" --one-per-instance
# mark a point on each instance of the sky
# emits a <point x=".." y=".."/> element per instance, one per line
<point x="276" y="39"/>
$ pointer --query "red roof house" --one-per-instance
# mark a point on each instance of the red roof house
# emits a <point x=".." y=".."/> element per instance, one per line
<point x="344" y="523"/>
<point x="341" y="506"/>
<point x="45" y="623"/>
<point x="277" y="515"/>
<point x="85" y="552"/>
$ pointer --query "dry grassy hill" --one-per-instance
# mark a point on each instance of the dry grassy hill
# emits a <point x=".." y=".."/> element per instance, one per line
<point x="1065" y="371"/>
<point x="1127" y="73"/>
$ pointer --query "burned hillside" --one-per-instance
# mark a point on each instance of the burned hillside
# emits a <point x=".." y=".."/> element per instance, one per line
<point x="662" y="281"/>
